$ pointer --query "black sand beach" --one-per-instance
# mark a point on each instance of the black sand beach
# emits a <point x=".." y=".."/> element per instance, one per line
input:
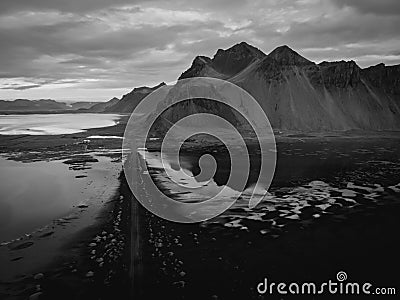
<point x="339" y="229"/>
<point x="90" y="261"/>
<point x="221" y="150"/>
<point x="130" y="252"/>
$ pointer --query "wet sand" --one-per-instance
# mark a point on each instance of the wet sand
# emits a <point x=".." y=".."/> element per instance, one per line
<point x="44" y="147"/>
<point x="146" y="257"/>
<point x="334" y="206"/>
<point x="192" y="262"/>
<point x="82" y="254"/>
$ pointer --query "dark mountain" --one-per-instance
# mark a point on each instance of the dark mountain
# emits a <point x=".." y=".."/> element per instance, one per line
<point x="288" y="57"/>
<point x="297" y="94"/>
<point x="294" y="92"/>
<point x="225" y="63"/>
<point x="384" y="77"/>
<point x="129" y="101"/>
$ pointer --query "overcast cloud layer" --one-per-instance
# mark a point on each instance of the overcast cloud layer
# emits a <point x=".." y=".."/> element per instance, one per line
<point x="98" y="49"/>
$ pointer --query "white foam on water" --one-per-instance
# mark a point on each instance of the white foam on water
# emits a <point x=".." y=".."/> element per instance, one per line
<point x="395" y="188"/>
<point x="348" y="193"/>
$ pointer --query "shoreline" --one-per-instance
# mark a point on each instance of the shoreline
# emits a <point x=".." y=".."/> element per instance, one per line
<point x="202" y="261"/>
<point x="67" y="275"/>
<point x="44" y="147"/>
<point x="69" y="270"/>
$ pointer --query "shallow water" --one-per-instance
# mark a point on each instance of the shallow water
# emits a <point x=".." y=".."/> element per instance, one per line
<point x="44" y="204"/>
<point x="34" y="194"/>
<point x="52" y="124"/>
<point x="314" y="179"/>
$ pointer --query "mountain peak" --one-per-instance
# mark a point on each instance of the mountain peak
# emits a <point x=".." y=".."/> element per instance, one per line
<point x="234" y="59"/>
<point x="283" y="48"/>
<point x="225" y="63"/>
<point x="198" y="65"/>
<point x="287" y="56"/>
<point x="241" y="49"/>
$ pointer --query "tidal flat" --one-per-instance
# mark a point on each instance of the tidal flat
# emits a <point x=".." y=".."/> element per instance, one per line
<point x="63" y="215"/>
<point x="333" y="205"/>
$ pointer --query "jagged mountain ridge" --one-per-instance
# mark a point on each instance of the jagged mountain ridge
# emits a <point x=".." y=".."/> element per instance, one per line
<point x="385" y="77"/>
<point x="285" y="56"/>
<point x="298" y="94"/>
<point x="225" y="63"/>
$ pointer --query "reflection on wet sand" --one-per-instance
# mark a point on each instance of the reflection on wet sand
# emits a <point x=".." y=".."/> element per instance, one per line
<point x="315" y="179"/>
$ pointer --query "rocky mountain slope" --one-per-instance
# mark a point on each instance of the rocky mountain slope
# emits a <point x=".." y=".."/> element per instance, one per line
<point x="298" y="94"/>
<point x="225" y="63"/>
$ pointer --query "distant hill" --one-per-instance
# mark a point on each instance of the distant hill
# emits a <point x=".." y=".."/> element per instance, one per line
<point x="42" y="105"/>
<point x="31" y="105"/>
<point x="129" y="101"/>
<point x="82" y="105"/>
<point x="102" y="106"/>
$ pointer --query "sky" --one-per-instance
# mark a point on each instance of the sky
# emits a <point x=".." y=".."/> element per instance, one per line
<point x="93" y="50"/>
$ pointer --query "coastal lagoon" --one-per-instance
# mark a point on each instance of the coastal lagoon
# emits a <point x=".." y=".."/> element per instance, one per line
<point x="53" y="124"/>
<point x="53" y="184"/>
<point x="44" y="203"/>
<point x="34" y="194"/>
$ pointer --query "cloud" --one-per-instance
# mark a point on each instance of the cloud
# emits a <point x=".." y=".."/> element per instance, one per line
<point x="341" y="29"/>
<point x="381" y="7"/>
<point x="112" y="48"/>
<point x="334" y="32"/>
<point x="21" y="88"/>
<point x="59" y="5"/>
<point x="102" y="48"/>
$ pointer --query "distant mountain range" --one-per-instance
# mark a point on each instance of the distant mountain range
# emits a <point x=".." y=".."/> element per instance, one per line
<point x="42" y="105"/>
<point x="294" y="92"/>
